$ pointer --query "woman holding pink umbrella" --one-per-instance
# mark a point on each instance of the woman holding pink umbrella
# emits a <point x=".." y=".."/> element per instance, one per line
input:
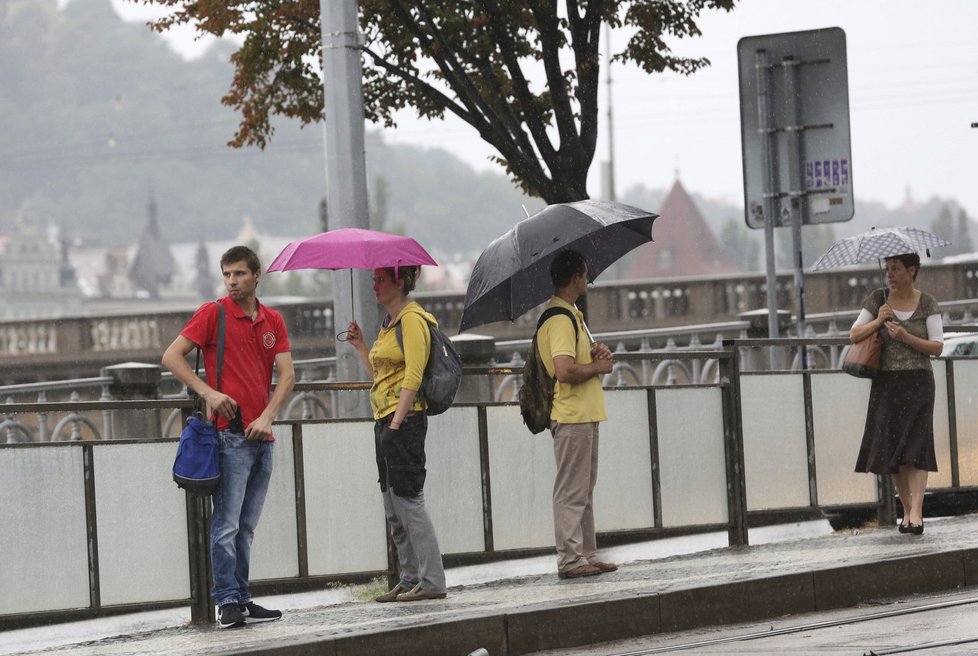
<point x="399" y="431"/>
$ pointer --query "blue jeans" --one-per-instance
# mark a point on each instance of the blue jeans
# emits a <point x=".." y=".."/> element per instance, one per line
<point x="246" y="468"/>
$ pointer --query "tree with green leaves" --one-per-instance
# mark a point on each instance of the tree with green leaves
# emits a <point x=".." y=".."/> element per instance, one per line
<point x="957" y="232"/>
<point x="815" y="240"/>
<point x="742" y="247"/>
<point x="962" y="236"/>
<point x="943" y="226"/>
<point x="524" y="75"/>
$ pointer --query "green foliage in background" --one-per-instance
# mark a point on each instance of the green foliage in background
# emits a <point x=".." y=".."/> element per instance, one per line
<point x="524" y="75"/>
<point x="97" y="112"/>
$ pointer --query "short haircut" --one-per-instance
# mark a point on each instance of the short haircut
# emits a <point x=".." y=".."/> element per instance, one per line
<point x="908" y="260"/>
<point x="239" y="253"/>
<point x="565" y="266"/>
<point x="409" y="274"/>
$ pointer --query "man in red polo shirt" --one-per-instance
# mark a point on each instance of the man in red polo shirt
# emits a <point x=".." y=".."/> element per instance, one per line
<point x="255" y="341"/>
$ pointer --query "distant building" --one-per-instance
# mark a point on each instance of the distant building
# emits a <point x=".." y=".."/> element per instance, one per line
<point x="684" y="244"/>
<point x="152" y="267"/>
<point x="36" y="279"/>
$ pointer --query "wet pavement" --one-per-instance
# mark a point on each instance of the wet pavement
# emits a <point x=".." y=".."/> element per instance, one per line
<point x="538" y="612"/>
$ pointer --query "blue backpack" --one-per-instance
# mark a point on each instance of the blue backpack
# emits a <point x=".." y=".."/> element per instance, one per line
<point x="197" y="466"/>
<point x="442" y="373"/>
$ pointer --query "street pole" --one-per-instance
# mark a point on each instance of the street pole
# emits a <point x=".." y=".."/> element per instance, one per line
<point x="346" y="182"/>
<point x="797" y="199"/>
<point x="608" y="177"/>
<point x="764" y="112"/>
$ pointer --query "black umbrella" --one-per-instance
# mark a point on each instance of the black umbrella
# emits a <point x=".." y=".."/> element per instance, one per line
<point x="512" y="275"/>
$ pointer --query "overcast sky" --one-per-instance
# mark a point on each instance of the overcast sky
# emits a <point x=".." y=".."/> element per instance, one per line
<point x="913" y="90"/>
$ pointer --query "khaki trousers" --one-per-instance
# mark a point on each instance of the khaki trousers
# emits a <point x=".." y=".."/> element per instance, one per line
<point x="576" y="456"/>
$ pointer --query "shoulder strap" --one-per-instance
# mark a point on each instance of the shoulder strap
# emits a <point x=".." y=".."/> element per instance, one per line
<point x="400" y="335"/>
<point x="400" y="342"/>
<point x="553" y="312"/>
<point x="220" y="349"/>
<point x="220" y="346"/>
<point x="220" y="342"/>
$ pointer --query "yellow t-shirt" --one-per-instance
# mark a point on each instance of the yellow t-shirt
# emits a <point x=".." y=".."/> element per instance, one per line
<point x="395" y="369"/>
<point x="573" y="404"/>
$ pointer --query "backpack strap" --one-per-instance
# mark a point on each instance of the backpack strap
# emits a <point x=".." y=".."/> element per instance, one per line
<point x="400" y="335"/>
<point x="400" y="342"/>
<point x="553" y="312"/>
<point x="221" y="329"/>
<point x="220" y="342"/>
<point x="220" y="346"/>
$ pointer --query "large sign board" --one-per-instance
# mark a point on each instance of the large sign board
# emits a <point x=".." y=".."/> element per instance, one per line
<point x="794" y="111"/>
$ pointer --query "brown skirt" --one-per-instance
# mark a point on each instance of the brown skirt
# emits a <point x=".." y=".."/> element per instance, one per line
<point x="899" y="423"/>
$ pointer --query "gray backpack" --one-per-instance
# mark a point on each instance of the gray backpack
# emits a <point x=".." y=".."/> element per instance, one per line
<point x="443" y="373"/>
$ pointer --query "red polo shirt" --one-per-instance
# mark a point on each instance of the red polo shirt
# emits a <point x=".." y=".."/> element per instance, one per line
<point x="250" y="348"/>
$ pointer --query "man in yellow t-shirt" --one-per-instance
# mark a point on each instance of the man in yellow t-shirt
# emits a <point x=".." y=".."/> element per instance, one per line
<point x="578" y="407"/>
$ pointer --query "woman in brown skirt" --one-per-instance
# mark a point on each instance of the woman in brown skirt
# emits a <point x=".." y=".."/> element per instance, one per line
<point x="899" y="434"/>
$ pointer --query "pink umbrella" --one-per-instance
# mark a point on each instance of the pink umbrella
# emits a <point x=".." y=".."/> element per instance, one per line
<point x="351" y="248"/>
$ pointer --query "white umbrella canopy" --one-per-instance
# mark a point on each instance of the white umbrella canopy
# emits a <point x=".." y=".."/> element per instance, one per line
<point x="877" y="244"/>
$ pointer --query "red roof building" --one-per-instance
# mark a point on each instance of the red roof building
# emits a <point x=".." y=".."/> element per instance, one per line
<point x="684" y="244"/>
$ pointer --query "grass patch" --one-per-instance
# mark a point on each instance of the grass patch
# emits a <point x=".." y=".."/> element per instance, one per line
<point x="368" y="591"/>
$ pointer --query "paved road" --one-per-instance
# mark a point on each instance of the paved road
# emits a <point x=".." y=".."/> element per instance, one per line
<point x="941" y="624"/>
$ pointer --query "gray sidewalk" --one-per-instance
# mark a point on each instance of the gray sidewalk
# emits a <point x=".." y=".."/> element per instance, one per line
<point x="535" y="613"/>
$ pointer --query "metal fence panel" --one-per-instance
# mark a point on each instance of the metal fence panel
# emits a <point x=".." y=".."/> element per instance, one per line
<point x="523" y="470"/>
<point x="453" y="487"/>
<point x="692" y="466"/>
<point x="142" y="524"/>
<point x="623" y="493"/>
<point x="43" y="542"/>
<point x="839" y="404"/>
<point x="775" y="447"/>
<point x="942" y="428"/>
<point x="275" y="550"/>
<point x="345" y="524"/>
<point x="966" y="411"/>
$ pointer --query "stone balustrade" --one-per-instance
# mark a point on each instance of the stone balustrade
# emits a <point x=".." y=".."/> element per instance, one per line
<point x="75" y="347"/>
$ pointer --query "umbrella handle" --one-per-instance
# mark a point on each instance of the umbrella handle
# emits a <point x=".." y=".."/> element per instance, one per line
<point x="344" y="336"/>
<point x="587" y="331"/>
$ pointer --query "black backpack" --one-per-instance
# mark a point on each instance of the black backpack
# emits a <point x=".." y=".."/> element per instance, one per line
<point x="443" y="372"/>
<point x="537" y="393"/>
